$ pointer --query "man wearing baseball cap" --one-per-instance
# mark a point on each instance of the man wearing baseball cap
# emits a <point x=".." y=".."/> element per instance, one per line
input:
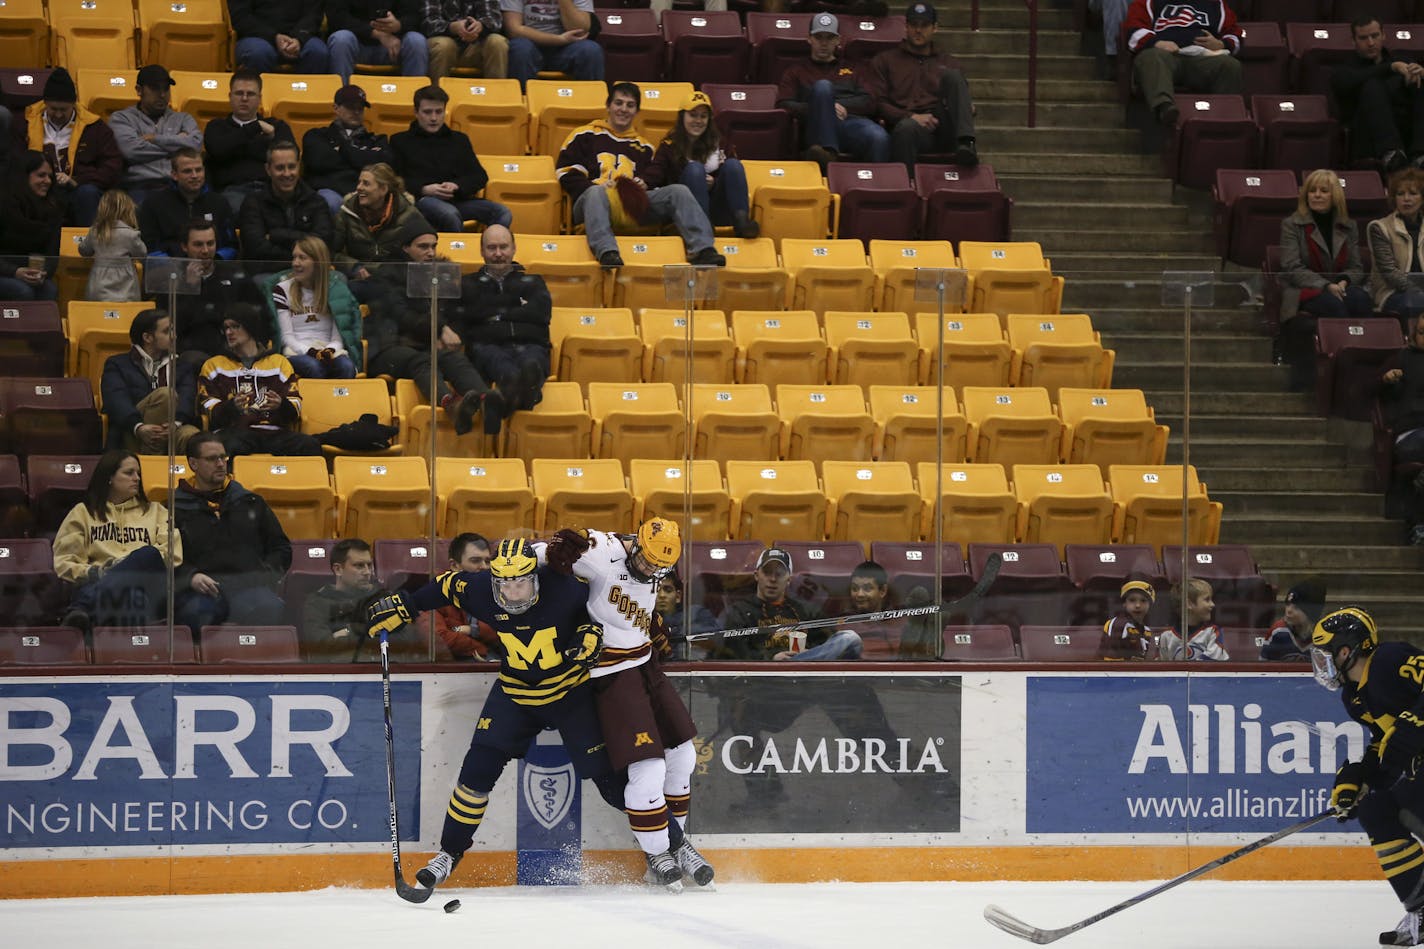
<point x="151" y="132"/>
<point x="770" y="606"/>
<point x="833" y="101"/>
<point x="333" y="155"/>
<point x="924" y="97"/>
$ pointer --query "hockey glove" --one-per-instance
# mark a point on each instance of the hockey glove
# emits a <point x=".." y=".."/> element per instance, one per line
<point x="1349" y="783"/>
<point x="566" y="548"/>
<point x="585" y="654"/>
<point x="387" y="614"/>
<point x="1403" y="742"/>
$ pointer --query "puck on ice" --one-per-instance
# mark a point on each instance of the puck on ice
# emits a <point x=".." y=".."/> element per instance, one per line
<point x="451" y="906"/>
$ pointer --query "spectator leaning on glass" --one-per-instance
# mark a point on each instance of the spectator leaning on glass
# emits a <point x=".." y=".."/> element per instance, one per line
<point x="1397" y="249"/>
<point x="318" y="320"/>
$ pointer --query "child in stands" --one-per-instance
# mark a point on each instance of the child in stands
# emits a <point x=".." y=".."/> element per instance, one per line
<point x="1203" y="638"/>
<point x="1289" y="638"/>
<point x="113" y="241"/>
<point x="1127" y="635"/>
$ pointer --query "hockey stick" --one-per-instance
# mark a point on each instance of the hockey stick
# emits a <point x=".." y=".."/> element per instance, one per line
<point x="412" y="894"/>
<point x="1016" y="927"/>
<point x="986" y="580"/>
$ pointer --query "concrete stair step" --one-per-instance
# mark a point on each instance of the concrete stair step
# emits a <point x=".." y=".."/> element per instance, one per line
<point x="1208" y="451"/>
<point x="985" y="89"/>
<point x="1011" y="17"/>
<point x="1344" y="585"/>
<point x="1051" y="114"/>
<point x="1323" y="530"/>
<point x="1137" y="189"/>
<point x="1168" y="404"/>
<point x="1143" y="288"/>
<point x="1038" y="214"/>
<point x="1215" y="377"/>
<point x="1014" y="65"/>
<point x="1113" y="319"/>
<point x="1397" y="618"/>
<point x="1232" y="477"/>
<point x="1117" y="241"/>
<point x="1216" y="426"/>
<point x="1164" y="347"/>
<point x="1070" y="164"/>
<point x="1001" y="41"/>
<point x="1288" y="557"/>
<point x="1046" y="140"/>
<point x="1297" y="504"/>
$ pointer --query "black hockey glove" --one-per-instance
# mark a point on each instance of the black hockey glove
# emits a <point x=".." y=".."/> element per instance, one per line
<point x="566" y="547"/>
<point x="1402" y="744"/>
<point x="1349" y="784"/>
<point x="590" y="645"/>
<point x="387" y="614"/>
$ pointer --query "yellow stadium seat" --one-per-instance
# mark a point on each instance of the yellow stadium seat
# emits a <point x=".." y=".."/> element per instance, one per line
<point x="328" y="403"/>
<point x="636" y="420"/>
<point x="827" y="275"/>
<point x="1011" y="426"/>
<point x="488" y="495"/>
<point x="639" y="282"/>
<point x="868" y="349"/>
<point x="392" y="101"/>
<point x="381" y="498"/>
<point x="666" y="347"/>
<point x="527" y="186"/>
<point x="657" y="113"/>
<point x="776" y="500"/>
<point x="567" y="266"/>
<point x="753" y="278"/>
<point x="1009" y="277"/>
<point x="1106" y="427"/>
<point x="558" y="427"/>
<point x="460" y="248"/>
<point x="789" y="199"/>
<point x="1056" y="350"/>
<point x="98" y="34"/>
<point x="976" y="505"/>
<point x="106" y="91"/>
<point x="895" y="263"/>
<point x="824" y="421"/>
<point x="154" y="471"/>
<point x="24" y="33"/>
<point x="595" y="344"/>
<point x="297" y="488"/>
<point x="581" y="493"/>
<point x="96" y="331"/>
<point x="413" y="410"/>
<point x="184" y="34"/>
<point x="302" y="101"/>
<point x="557" y="107"/>
<point x="1063" y="504"/>
<point x="908" y="428"/>
<point x="975" y="350"/>
<point x="872" y="499"/>
<point x="734" y="421"/>
<point x="491" y="112"/>
<point x="72" y="269"/>
<point x="203" y="95"/>
<point x="660" y="490"/>
<point x="775" y="346"/>
<point x="1148" y="502"/>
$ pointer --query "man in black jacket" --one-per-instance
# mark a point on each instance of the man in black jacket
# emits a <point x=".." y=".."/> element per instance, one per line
<point x="273" y="32"/>
<point x="283" y="212"/>
<point x="333" y="156"/>
<point x="334" y="617"/>
<point x="832" y="100"/>
<point x="239" y="552"/>
<point x="375" y="33"/>
<point x="440" y="168"/>
<point x="137" y="385"/>
<point x="1381" y="98"/>
<point x="237" y="143"/>
<point x="164" y="218"/>
<point x="209" y="287"/>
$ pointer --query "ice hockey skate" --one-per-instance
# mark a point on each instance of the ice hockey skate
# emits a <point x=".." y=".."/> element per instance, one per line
<point x="1406" y="933"/>
<point x="437" y="871"/>
<point x="694" y="865"/>
<point x="663" y="871"/>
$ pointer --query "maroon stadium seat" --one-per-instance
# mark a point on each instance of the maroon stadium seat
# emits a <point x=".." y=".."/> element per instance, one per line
<point x="56" y="483"/>
<point x="863" y="36"/>
<point x="145" y="644"/>
<point x="1243" y="597"/>
<point x="979" y="644"/>
<point x="20" y="87"/>
<point x="47" y="416"/>
<point x="1243" y="645"/>
<point x="1248" y="212"/>
<point x="1098" y="571"/>
<point x="1041" y="643"/>
<point x="777" y="40"/>
<point x="1365" y="198"/>
<point x="15" y="516"/>
<point x="1212" y="132"/>
<point x="821" y="574"/>
<point x="42" y="646"/>
<point x="1264" y="59"/>
<point x="962" y="204"/>
<point x="877" y="200"/>
<point x="632" y="45"/>
<point x="31" y="338"/>
<point x="913" y="565"/>
<point x="1297" y="132"/>
<point x="1402" y="30"/>
<point x="1349" y="354"/>
<point x="407" y="564"/>
<point x="1315" y="48"/>
<point x="29" y="590"/>
<point x="310" y="570"/>
<point x="705" y="46"/>
<point x="1287" y="11"/>
<point x="249" y="644"/>
<point x="748" y="118"/>
<point x="1031" y="587"/>
<point x="717" y="569"/>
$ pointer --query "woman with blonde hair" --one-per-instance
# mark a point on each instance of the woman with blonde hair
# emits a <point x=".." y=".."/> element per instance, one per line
<point x="1321" y="271"/>
<point x="1397" y="249"/>
<point x="113" y="241"/>
<point x="368" y="226"/>
<point x="318" y="320"/>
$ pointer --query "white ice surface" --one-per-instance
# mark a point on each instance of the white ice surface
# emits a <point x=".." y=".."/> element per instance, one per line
<point x="1197" y="915"/>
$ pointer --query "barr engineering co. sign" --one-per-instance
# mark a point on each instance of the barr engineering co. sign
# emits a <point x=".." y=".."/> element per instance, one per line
<point x="137" y="763"/>
<point x="876" y="754"/>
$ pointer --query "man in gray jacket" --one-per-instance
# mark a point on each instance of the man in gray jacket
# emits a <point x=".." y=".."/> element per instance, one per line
<point x="151" y="132"/>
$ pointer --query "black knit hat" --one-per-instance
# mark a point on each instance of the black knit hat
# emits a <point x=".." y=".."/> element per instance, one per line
<point x="416" y="227"/>
<point x="251" y="318"/>
<point x="1309" y="597"/>
<point x="59" y="87"/>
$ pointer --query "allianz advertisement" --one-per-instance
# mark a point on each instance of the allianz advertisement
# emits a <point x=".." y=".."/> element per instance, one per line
<point x="144" y="763"/>
<point x="1178" y="754"/>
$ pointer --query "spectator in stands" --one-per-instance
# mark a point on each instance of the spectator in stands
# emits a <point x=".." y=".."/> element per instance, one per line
<point x="375" y="34"/>
<point x="770" y="606"/>
<point x="369" y="224"/>
<point x="1380" y="99"/>
<point x="210" y="287"/>
<point x="79" y="146"/>
<point x="278" y="32"/>
<point x="238" y="550"/>
<point x="334" y="616"/>
<point x="832" y="100"/>
<point x="287" y="209"/>
<point x="465" y="33"/>
<point x="923" y="95"/>
<point x="113" y="241"/>
<point x="1182" y="46"/>
<point x="318" y="320"/>
<point x="670" y="609"/>
<point x="239" y="143"/>
<point x="503" y="317"/>
<point x="601" y="167"/>
<point x="164" y="218"/>
<point x="1321" y="271"/>
<point x="31" y="220"/>
<point x="113" y="546"/>
<point x="1127" y="635"/>
<point x="692" y="155"/>
<point x="441" y="169"/>
<point x="1397" y="249"/>
<point x="1289" y="638"/>
<point x="333" y="155"/>
<point x="249" y="392"/>
<point x="138" y="385"/>
<point x="463" y="636"/>
<point x="398" y="333"/>
<point x="1402" y="399"/>
<point x="548" y="35"/>
<point x="911" y="637"/>
<point x="1113" y="12"/>
<point x="1203" y="639"/>
<point x="150" y="133"/>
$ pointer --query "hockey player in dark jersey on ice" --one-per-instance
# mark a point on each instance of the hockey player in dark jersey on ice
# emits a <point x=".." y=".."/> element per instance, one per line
<point x="1382" y="685"/>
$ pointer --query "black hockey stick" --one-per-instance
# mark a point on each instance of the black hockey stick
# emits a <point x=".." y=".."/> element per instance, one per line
<point x="413" y="894"/>
<point x="1016" y="927"/>
<point x="986" y="580"/>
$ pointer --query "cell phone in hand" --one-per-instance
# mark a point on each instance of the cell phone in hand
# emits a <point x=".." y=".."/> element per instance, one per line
<point x="380" y="14"/>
